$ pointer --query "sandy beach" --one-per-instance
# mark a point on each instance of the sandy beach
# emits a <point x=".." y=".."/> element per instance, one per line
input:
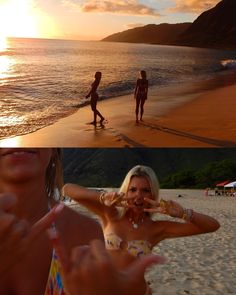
<point x="198" y="265"/>
<point x="206" y="119"/>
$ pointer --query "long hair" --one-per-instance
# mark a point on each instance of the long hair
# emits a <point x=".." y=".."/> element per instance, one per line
<point x="143" y="171"/>
<point x="98" y="76"/>
<point x="143" y="74"/>
<point x="54" y="174"/>
<point x="140" y="171"/>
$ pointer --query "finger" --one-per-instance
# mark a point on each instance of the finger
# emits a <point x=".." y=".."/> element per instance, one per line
<point x="7" y="201"/>
<point x="138" y="267"/>
<point x="86" y="264"/>
<point x="16" y="237"/>
<point x="7" y="222"/>
<point x="99" y="252"/>
<point x="45" y="222"/>
<point x="78" y="253"/>
<point x="152" y="202"/>
<point x="123" y="204"/>
<point x="20" y="230"/>
<point x="117" y="198"/>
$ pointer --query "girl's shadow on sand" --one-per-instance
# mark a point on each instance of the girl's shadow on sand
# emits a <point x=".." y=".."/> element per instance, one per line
<point x="219" y="143"/>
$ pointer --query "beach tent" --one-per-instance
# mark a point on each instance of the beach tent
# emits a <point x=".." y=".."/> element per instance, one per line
<point x="220" y="188"/>
<point x="223" y="183"/>
<point x="231" y="184"/>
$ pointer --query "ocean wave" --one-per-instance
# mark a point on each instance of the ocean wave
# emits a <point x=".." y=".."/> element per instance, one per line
<point x="229" y="64"/>
<point x="42" y="81"/>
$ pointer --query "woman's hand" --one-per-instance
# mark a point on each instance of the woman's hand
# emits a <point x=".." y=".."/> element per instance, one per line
<point x="16" y="235"/>
<point x="90" y="270"/>
<point x="170" y="208"/>
<point x="112" y="199"/>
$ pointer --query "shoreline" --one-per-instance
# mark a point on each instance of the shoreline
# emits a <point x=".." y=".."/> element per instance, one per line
<point x="174" y="117"/>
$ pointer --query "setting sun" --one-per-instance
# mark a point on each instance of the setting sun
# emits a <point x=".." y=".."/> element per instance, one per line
<point x="16" y="19"/>
<point x="23" y="19"/>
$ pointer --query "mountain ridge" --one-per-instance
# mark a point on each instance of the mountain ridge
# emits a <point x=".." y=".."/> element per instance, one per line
<point x="107" y="167"/>
<point x="214" y="28"/>
<point x="153" y="34"/>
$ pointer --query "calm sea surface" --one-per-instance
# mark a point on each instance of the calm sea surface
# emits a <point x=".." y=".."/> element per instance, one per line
<point x="44" y="80"/>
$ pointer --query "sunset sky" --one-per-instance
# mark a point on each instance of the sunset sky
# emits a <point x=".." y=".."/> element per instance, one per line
<point x="91" y="19"/>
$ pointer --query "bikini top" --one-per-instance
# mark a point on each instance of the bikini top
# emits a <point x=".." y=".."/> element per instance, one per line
<point x="142" y="85"/>
<point x="135" y="248"/>
<point x="54" y="283"/>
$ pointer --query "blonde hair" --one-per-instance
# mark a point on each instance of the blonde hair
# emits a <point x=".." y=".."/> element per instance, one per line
<point x="54" y="173"/>
<point x="142" y="171"/>
<point x="139" y="171"/>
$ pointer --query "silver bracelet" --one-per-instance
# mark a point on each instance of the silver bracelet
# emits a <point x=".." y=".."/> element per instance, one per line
<point x="188" y="215"/>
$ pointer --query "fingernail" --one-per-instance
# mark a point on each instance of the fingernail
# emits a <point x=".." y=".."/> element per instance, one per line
<point x="58" y="208"/>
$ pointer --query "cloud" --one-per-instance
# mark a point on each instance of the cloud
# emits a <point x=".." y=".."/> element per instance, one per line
<point x="125" y="7"/>
<point x="193" y="6"/>
<point x="132" y="26"/>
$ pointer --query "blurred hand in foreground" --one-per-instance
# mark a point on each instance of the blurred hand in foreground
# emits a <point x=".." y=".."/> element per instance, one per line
<point x="90" y="270"/>
<point x="17" y="235"/>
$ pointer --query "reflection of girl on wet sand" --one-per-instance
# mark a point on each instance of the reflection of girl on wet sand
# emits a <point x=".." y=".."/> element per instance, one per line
<point x="94" y="98"/>
<point x="140" y="94"/>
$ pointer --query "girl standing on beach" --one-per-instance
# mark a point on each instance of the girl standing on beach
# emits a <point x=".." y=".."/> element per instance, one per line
<point x="94" y="98"/>
<point x="140" y="94"/>
<point x="128" y="227"/>
<point x="35" y="262"/>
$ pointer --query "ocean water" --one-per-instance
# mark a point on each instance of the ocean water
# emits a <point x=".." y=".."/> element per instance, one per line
<point x="43" y="80"/>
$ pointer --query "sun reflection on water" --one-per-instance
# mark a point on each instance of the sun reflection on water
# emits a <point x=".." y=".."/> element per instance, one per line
<point x="10" y="142"/>
<point x="3" y="43"/>
<point x="10" y="120"/>
<point x="5" y="65"/>
<point x="5" y="61"/>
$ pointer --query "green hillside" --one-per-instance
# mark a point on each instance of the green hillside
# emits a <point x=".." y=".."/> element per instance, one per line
<point x="107" y="167"/>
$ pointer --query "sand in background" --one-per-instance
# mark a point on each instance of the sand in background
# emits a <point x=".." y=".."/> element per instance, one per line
<point x="203" y="264"/>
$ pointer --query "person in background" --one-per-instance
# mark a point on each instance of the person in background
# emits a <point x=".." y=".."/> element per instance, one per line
<point x="94" y="98"/>
<point x="140" y="95"/>
<point x="128" y="227"/>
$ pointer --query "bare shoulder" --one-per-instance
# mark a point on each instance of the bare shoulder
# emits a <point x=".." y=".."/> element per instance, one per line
<point x="77" y="228"/>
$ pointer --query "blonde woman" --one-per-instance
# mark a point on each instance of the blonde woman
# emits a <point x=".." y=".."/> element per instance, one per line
<point x="128" y="227"/>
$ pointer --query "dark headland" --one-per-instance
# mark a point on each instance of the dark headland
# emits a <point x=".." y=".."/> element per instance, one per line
<point x="214" y="28"/>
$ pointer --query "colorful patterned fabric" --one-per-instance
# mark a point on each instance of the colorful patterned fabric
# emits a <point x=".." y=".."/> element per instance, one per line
<point x="135" y="248"/>
<point x="54" y="284"/>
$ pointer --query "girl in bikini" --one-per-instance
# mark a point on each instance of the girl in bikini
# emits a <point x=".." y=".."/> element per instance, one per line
<point x="128" y="227"/>
<point x="140" y="94"/>
<point x="94" y="98"/>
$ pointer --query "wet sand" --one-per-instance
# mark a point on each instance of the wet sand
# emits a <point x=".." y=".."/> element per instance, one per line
<point x="181" y="119"/>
